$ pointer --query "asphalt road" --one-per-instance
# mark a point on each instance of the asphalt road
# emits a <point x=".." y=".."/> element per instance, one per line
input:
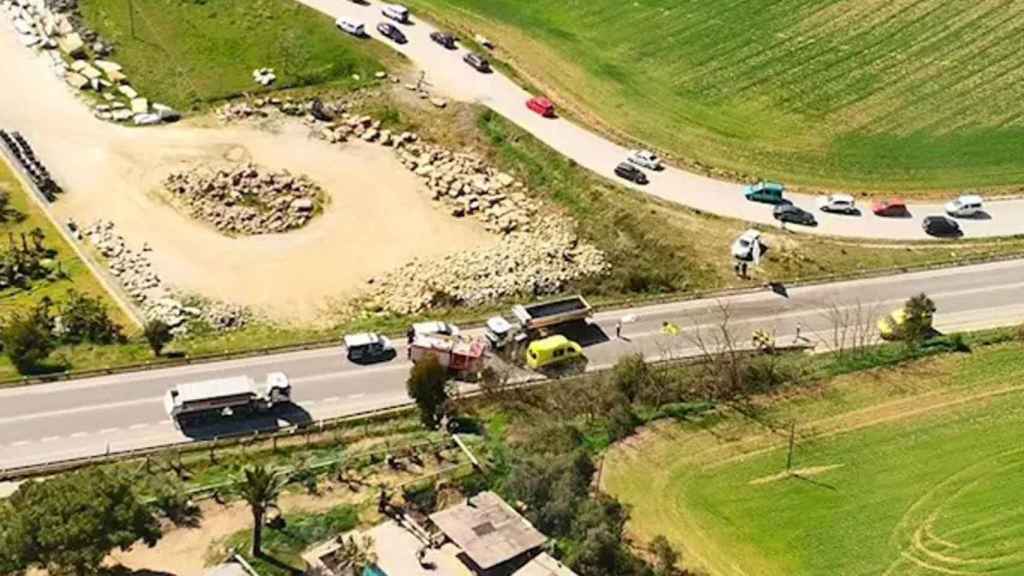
<point x="448" y="75"/>
<point x="56" y="421"/>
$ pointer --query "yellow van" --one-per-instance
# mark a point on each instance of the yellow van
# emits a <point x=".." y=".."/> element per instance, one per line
<point x="890" y="326"/>
<point x="551" y="350"/>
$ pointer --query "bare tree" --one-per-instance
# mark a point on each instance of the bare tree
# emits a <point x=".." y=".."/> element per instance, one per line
<point x="723" y="361"/>
<point x="852" y="328"/>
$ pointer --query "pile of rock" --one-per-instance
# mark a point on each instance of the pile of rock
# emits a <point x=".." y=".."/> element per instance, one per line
<point x="246" y="199"/>
<point x="137" y="276"/>
<point x="469" y="186"/>
<point x="264" y="76"/>
<point x="78" y="56"/>
<point x="543" y="261"/>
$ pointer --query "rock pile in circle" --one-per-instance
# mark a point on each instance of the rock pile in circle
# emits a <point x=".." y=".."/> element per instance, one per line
<point x="246" y="199"/>
<point x="135" y="273"/>
<point x="539" y="253"/>
<point x="539" y="262"/>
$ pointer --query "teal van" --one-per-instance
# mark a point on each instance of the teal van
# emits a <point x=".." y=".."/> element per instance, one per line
<point x="767" y="192"/>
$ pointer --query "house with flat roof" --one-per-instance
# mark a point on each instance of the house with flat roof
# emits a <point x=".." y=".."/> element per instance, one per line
<point x="482" y="536"/>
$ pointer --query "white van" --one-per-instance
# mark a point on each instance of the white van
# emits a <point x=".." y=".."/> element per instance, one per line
<point x="396" y="12"/>
<point x="966" y="206"/>
<point x="353" y="27"/>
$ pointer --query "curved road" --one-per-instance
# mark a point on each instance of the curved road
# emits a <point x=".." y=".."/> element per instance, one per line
<point x="449" y="75"/>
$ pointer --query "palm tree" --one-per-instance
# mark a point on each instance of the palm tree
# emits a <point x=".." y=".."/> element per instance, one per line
<point x="260" y="487"/>
<point x="355" y="554"/>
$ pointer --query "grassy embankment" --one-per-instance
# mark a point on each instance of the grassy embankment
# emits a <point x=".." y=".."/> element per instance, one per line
<point x="909" y="95"/>
<point x="191" y="53"/>
<point x="911" y="470"/>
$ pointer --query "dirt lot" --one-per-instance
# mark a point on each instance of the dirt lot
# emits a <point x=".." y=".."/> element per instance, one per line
<point x="376" y="218"/>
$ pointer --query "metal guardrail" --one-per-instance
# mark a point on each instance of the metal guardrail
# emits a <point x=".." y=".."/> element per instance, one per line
<point x="21" y="472"/>
<point x="601" y="306"/>
<point x="185" y="445"/>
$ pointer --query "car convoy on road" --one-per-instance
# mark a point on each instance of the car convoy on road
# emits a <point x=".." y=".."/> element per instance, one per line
<point x="637" y="162"/>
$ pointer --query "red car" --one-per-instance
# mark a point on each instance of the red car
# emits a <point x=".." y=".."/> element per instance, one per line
<point x="541" y="106"/>
<point x="890" y="207"/>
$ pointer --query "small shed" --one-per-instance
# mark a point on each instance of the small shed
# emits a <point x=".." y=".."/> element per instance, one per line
<point x="488" y="531"/>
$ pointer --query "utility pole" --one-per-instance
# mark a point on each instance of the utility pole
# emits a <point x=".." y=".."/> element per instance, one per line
<point x="789" y="456"/>
<point x="131" y="17"/>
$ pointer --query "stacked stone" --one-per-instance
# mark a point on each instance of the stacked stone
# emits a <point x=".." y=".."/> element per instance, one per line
<point x="137" y="276"/>
<point x="542" y="261"/>
<point x="77" y="55"/>
<point x="247" y="199"/>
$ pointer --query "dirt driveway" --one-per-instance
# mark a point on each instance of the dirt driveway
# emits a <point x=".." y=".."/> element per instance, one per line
<point x="376" y="220"/>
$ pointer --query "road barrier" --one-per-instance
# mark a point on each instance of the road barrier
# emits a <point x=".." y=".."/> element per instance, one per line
<point x="257" y="434"/>
<point x="600" y="306"/>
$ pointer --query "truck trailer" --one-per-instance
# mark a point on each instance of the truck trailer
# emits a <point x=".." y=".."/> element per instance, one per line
<point x="226" y="397"/>
<point x="536" y="318"/>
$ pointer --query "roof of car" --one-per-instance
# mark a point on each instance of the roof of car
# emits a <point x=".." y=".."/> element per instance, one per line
<point x="750" y="234"/>
<point x="970" y="199"/>
<point x="841" y="198"/>
<point x="361" y="339"/>
<point x="541" y="100"/>
<point x="769" y="185"/>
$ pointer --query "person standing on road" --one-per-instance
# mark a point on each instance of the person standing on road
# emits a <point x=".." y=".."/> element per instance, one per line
<point x="618" y="330"/>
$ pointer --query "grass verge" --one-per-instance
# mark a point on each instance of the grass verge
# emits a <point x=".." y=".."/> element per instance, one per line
<point x="75" y="274"/>
<point x="189" y="53"/>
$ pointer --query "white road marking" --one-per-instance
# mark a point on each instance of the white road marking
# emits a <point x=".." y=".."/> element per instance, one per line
<point x="330" y="399"/>
<point x="79" y="435"/>
<point x="50" y="439"/>
<point x="137" y="426"/>
<point x="80" y="409"/>
<point x="109" y="430"/>
<point x="21" y="443"/>
<point x="354" y="396"/>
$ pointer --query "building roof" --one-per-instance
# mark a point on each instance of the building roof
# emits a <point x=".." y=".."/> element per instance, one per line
<point x="544" y="565"/>
<point x="228" y="569"/>
<point x="488" y="530"/>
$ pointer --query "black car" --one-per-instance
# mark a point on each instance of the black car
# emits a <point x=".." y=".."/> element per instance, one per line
<point x="631" y="173"/>
<point x="391" y="31"/>
<point x="794" y="214"/>
<point x="940" y="226"/>
<point x="444" y="39"/>
<point x="478" y="62"/>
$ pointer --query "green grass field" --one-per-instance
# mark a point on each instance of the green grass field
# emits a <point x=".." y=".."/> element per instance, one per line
<point x="190" y="52"/>
<point x="909" y="471"/>
<point x="860" y="94"/>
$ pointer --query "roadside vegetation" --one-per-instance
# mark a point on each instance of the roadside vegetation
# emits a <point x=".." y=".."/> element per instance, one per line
<point x="843" y="95"/>
<point x="189" y="53"/>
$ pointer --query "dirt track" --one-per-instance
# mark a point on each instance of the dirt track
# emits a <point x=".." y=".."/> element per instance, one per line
<point x="376" y="219"/>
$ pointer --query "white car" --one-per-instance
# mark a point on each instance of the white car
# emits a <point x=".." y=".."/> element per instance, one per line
<point x="396" y="12"/>
<point x="842" y="203"/>
<point x="368" y="347"/>
<point x="353" y="27"/>
<point x="743" y="247"/>
<point x="967" y="206"/>
<point x="645" y="158"/>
